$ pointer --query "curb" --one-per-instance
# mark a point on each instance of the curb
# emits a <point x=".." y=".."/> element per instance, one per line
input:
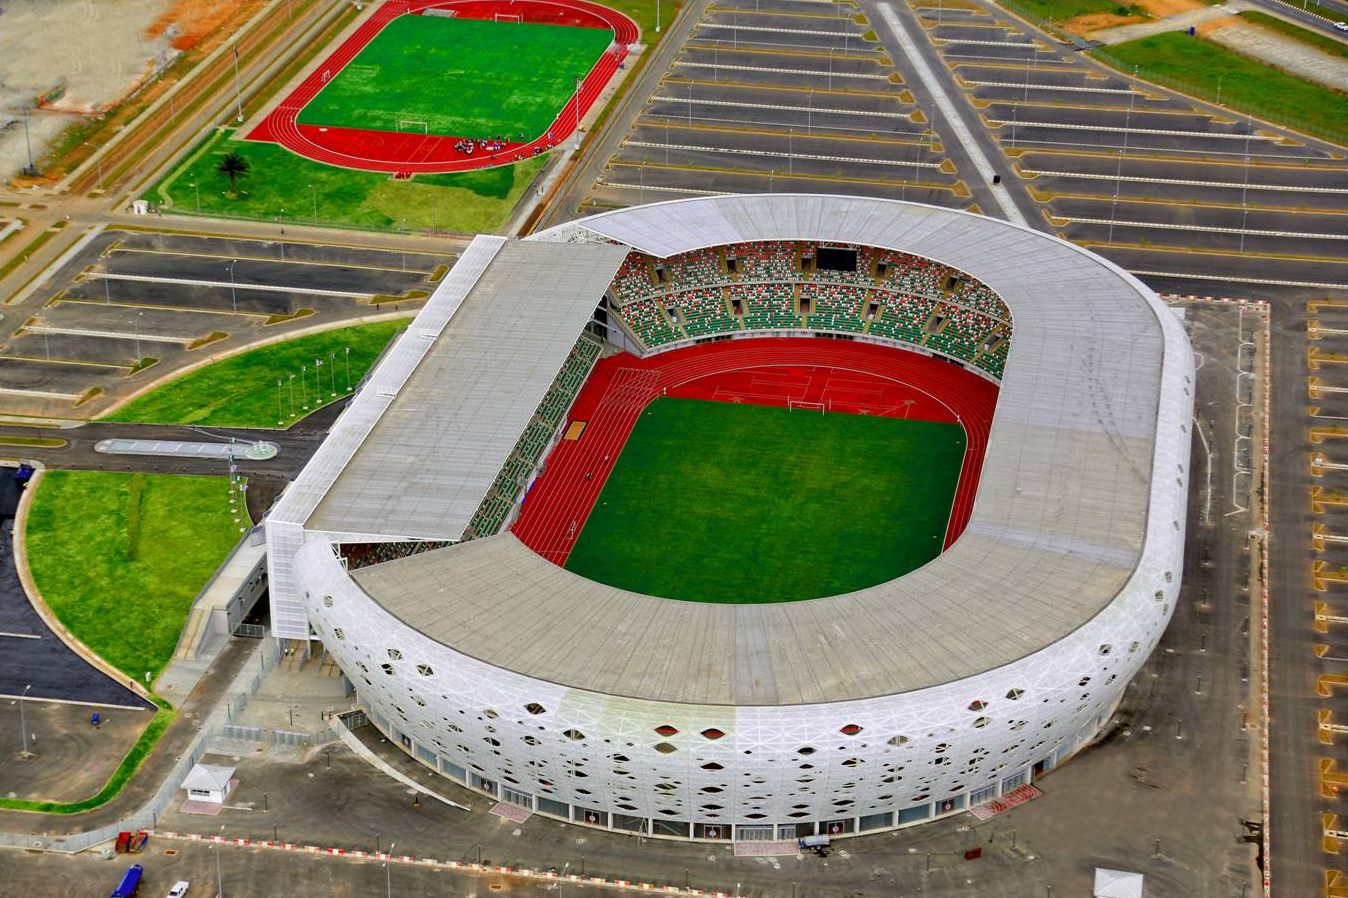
<point x="525" y="873"/>
<point x="40" y="605"/>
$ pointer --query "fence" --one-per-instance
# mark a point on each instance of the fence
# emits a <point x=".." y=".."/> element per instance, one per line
<point x="1231" y="100"/>
<point x="245" y="684"/>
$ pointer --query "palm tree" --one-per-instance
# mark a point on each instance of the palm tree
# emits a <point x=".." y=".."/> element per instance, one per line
<point x="232" y="166"/>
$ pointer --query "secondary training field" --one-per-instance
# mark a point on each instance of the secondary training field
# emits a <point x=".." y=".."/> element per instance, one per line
<point x="845" y="376"/>
<point x="731" y="502"/>
<point x="428" y="86"/>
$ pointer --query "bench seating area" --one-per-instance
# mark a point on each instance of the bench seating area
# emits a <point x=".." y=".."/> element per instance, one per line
<point x="501" y="498"/>
<point x="762" y="286"/>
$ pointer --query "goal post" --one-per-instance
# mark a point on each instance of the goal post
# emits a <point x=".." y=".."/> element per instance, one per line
<point x="802" y="405"/>
<point x="509" y="17"/>
<point x="407" y="124"/>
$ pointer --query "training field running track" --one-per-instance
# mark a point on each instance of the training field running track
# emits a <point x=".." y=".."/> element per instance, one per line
<point x="409" y="153"/>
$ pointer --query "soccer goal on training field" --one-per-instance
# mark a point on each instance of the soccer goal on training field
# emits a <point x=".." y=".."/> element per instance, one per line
<point x="407" y="124"/>
<point x="803" y="406"/>
<point x="509" y="17"/>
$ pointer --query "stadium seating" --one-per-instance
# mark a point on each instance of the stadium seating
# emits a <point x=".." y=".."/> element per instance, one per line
<point x="703" y="312"/>
<point x="766" y="305"/>
<point x="514" y="474"/>
<point x="761" y="286"/>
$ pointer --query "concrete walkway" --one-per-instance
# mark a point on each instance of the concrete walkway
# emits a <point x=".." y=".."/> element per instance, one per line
<point x="351" y="742"/>
<point x="951" y="118"/>
<point x="1282" y="51"/>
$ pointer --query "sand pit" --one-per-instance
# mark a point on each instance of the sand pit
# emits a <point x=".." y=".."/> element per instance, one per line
<point x="1159" y="9"/>
<point x="1084" y="25"/>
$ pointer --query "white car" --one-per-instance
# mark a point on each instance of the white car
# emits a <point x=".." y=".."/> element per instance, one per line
<point x="1342" y="26"/>
<point x="179" y="889"/>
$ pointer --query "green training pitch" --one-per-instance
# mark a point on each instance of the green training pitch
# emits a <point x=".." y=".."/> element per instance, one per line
<point x="720" y="502"/>
<point x="119" y="558"/>
<point x="460" y="77"/>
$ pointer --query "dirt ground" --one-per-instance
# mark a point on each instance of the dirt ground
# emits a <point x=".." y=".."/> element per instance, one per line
<point x="1156" y="9"/>
<point x="188" y="21"/>
<point x="70" y="759"/>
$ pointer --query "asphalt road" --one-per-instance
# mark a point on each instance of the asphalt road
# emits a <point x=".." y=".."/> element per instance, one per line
<point x="31" y="655"/>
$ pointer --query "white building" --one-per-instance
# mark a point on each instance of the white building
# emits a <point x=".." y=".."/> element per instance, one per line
<point x="208" y="782"/>
<point x="885" y="707"/>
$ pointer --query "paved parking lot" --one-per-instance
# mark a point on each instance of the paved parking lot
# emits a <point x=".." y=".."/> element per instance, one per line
<point x="779" y="95"/>
<point x="1185" y="195"/>
<point x="32" y="655"/>
<point x="128" y="297"/>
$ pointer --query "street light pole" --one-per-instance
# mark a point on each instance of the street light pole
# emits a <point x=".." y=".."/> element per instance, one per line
<point x="238" y="95"/>
<point x="23" y="722"/>
<point x="388" y="876"/>
<point x="233" y="293"/>
<point x="657" y="16"/>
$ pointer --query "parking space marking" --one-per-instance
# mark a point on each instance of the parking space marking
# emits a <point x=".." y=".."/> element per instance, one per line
<point x="695" y="191"/>
<point x="1185" y="182"/>
<point x="831" y="132"/>
<point x="79" y="363"/>
<point x="1022" y="45"/>
<point x="39" y="394"/>
<point x="786" y="88"/>
<point x="734" y="151"/>
<point x="187" y="310"/>
<point x="1171" y="226"/>
<point x="1125" y="91"/>
<point x="112" y="335"/>
<point x="1118" y="129"/>
<point x="193" y="282"/>
<point x="789" y="50"/>
<point x="822" y="32"/>
<point x="1323" y="618"/>
<point x="796" y="176"/>
<point x="697" y="101"/>
<point x="1315" y="330"/>
<point x="1318" y="535"/>
<point x="1233" y="278"/>
<point x="681" y="63"/>
<point x="116" y="250"/>
<point x="1315" y="358"/>
<point x="671" y="123"/>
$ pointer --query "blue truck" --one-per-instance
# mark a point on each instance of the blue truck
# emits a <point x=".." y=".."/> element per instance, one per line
<point x="130" y="883"/>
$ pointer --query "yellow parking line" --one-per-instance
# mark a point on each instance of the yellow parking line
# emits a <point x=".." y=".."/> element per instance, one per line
<point x="780" y="175"/>
<point x="118" y="304"/>
<point x="1048" y="196"/>
<point x="775" y="12"/>
<point x="58" y="361"/>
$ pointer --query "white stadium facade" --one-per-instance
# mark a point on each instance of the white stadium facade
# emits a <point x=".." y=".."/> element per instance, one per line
<point x="907" y="701"/>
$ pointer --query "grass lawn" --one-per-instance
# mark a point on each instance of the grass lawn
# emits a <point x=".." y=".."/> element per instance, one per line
<point x="721" y="502"/>
<point x="1062" y="10"/>
<point x="240" y="391"/>
<point x="120" y="557"/>
<point x="281" y="185"/>
<point x="1197" y="66"/>
<point x="1322" y="42"/>
<point x="462" y="77"/>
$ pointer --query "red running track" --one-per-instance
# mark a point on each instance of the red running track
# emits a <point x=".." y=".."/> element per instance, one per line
<point x="405" y="154"/>
<point x="860" y="378"/>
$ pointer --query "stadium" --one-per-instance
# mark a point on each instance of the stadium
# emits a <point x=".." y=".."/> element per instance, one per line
<point x="751" y="517"/>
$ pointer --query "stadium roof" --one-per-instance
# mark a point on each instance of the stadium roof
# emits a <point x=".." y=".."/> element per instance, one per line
<point x="1067" y="501"/>
<point x="452" y="399"/>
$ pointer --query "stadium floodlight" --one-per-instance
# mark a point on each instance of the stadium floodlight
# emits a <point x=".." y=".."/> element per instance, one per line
<point x="657" y="16"/>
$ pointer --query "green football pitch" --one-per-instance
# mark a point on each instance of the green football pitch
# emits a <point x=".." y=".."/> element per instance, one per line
<point x="721" y="502"/>
<point x="459" y="77"/>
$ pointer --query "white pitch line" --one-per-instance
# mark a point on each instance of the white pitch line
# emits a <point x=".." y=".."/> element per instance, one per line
<point x="738" y="151"/>
<point x="1165" y="132"/>
<point x="1084" y="90"/>
<point x="778" y="71"/>
<point x="1183" y="182"/>
<point x="1237" y="279"/>
<point x="733" y="27"/>
<point x="115" y="335"/>
<point x="791" y="108"/>
<point x="193" y="282"/>
<point x="1168" y="226"/>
